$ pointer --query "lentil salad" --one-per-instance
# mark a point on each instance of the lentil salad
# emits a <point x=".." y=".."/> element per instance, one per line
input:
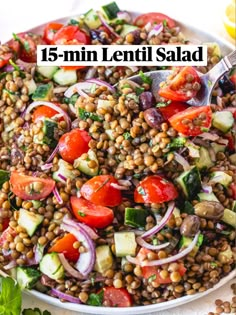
<point x="123" y="140"/>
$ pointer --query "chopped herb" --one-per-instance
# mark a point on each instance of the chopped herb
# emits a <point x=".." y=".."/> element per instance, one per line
<point x="152" y="278"/>
<point x="26" y="45"/>
<point x="164" y="22"/>
<point x="163" y="67"/>
<point x="71" y="100"/>
<point x="145" y="78"/>
<point x="73" y="22"/>
<point x="141" y="191"/>
<point x="204" y="129"/>
<point x="92" y="280"/>
<point x="119" y="21"/>
<point x="82" y="214"/>
<point x="12" y="201"/>
<point x="139" y="90"/>
<point x="4" y="177"/>
<point x="96" y="299"/>
<point x="17" y="68"/>
<point x="155" y="241"/>
<point x="127" y="135"/>
<point x="200" y="240"/>
<point x="16" y="37"/>
<point x="213" y="264"/>
<point x="103" y="184"/>
<point x="188" y="208"/>
<point x="84" y="115"/>
<point x="126" y="86"/>
<point x="176" y="143"/>
<point x="137" y="176"/>
<point x="162" y="104"/>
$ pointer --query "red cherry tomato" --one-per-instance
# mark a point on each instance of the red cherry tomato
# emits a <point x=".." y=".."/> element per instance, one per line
<point x="177" y="88"/>
<point x="50" y="31"/>
<point x="173" y="108"/>
<point x="71" y="34"/>
<point x="116" y="297"/>
<point x="231" y="141"/>
<point x="100" y="191"/>
<point x="73" y="144"/>
<point x="154" y="189"/>
<point x="25" y="45"/>
<point x="153" y="18"/>
<point x="233" y="188"/>
<point x="91" y="214"/>
<point x="4" y="58"/>
<point x="192" y="121"/>
<point x="65" y="246"/>
<point x="30" y="187"/>
<point x="43" y="111"/>
<point x="5" y="223"/>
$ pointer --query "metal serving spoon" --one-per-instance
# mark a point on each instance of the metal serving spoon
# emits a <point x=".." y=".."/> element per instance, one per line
<point x="208" y="80"/>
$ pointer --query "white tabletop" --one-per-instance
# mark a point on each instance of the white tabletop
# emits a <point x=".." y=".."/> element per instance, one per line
<point x="20" y="15"/>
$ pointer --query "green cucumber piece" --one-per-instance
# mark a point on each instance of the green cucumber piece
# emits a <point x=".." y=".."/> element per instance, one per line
<point x="135" y="217"/>
<point x="104" y="259"/>
<point x="29" y="220"/>
<point x="82" y="164"/>
<point x="47" y="71"/>
<point x="127" y="28"/>
<point x="92" y="20"/>
<point x="218" y="147"/>
<point x="223" y="121"/>
<point x="65" y="169"/>
<point x="51" y="266"/>
<point x="110" y="10"/>
<point x="220" y="177"/>
<point x="65" y="77"/>
<point x="27" y="277"/>
<point x="229" y="217"/>
<point x="207" y="196"/>
<point x="125" y="244"/>
<point x="204" y="161"/>
<point x="43" y="92"/>
<point x="190" y="182"/>
<point x="31" y="86"/>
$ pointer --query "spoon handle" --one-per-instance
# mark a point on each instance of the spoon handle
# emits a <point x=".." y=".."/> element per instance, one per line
<point x="230" y="60"/>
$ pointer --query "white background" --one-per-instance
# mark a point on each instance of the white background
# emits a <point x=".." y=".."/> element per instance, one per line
<point x="20" y="15"/>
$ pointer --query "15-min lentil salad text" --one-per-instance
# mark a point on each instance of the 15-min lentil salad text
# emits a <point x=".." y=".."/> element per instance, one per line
<point x="109" y="196"/>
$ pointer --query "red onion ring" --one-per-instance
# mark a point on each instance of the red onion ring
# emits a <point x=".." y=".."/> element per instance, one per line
<point x="182" y="161"/>
<point x="108" y="26"/>
<point x="76" y="225"/>
<point x="102" y="83"/>
<point x="57" y="195"/>
<point x="46" y="166"/>
<point x="145" y="244"/>
<point x="73" y="272"/>
<point x="52" y="155"/>
<point x="65" y="296"/>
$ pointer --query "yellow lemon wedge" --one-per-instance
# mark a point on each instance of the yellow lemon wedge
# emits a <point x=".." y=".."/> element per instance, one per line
<point x="229" y="19"/>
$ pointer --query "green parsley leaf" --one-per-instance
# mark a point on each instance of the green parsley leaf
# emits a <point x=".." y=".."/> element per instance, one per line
<point x="16" y="37"/>
<point x="96" y="299"/>
<point x="200" y="240"/>
<point x="162" y="104"/>
<point x="26" y="45"/>
<point x="164" y="22"/>
<point x="139" y="90"/>
<point x="4" y="177"/>
<point x="141" y="191"/>
<point x="204" y="129"/>
<point x="2" y="75"/>
<point x="145" y="78"/>
<point x="82" y="214"/>
<point x="10" y="296"/>
<point x="155" y="241"/>
<point x="137" y="176"/>
<point x="84" y="115"/>
<point x="176" y="143"/>
<point x="71" y="100"/>
<point x="127" y="135"/>
<point x="152" y="278"/>
<point x="73" y="22"/>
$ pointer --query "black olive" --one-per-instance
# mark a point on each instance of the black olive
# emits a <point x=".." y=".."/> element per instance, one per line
<point x="190" y="226"/>
<point x="97" y="35"/>
<point x="146" y="100"/>
<point x="226" y="85"/>
<point x="153" y="117"/>
<point x="137" y="39"/>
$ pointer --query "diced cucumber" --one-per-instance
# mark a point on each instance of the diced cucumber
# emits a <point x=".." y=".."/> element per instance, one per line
<point x="176" y="213"/>
<point x="83" y="164"/>
<point x="105" y="103"/>
<point x="229" y="217"/>
<point x="135" y="217"/>
<point x="27" y="277"/>
<point x="204" y="161"/>
<point x="49" y="130"/>
<point x="65" y="77"/>
<point x="125" y="244"/>
<point x="51" y="266"/>
<point x="207" y="196"/>
<point x="91" y="19"/>
<point x="232" y="158"/>
<point x="220" y="177"/>
<point x="190" y="182"/>
<point x="65" y="170"/>
<point x="29" y="220"/>
<point x="110" y="10"/>
<point x="109" y="132"/>
<point x="185" y="242"/>
<point x="127" y="28"/>
<point x="223" y="121"/>
<point x="31" y="86"/>
<point x="218" y="147"/>
<point x="47" y="71"/>
<point x="104" y="259"/>
<point x="43" y="92"/>
<point x="36" y="203"/>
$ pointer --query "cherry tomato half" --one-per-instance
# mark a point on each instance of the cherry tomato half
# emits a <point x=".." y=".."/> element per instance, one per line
<point x="116" y="297"/>
<point x="91" y="214"/>
<point x="173" y="108"/>
<point x="64" y="245"/>
<point x="99" y="190"/>
<point x="182" y="86"/>
<point x="30" y="187"/>
<point x="233" y="188"/>
<point x="154" y="189"/>
<point x="50" y="30"/>
<point x="73" y="144"/>
<point x="153" y="18"/>
<point x="192" y="121"/>
<point x="43" y="111"/>
<point x="71" y="34"/>
<point x="4" y="58"/>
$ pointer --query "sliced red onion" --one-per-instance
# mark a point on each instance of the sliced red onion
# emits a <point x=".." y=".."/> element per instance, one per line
<point x="64" y="296"/>
<point x="53" y="154"/>
<point x="209" y="136"/>
<point x="91" y="232"/>
<point x="53" y="106"/>
<point x="206" y="188"/>
<point x="193" y="149"/>
<point x="46" y="166"/>
<point x="124" y="182"/>
<point x="145" y="244"/>
<point x="59" y="89"/>
<point x="159" y="226"/>
<point x="110" y="29"/>
<point x="156" y="30"/>
<point x="219" y="101"/>
<point x="91" y="73"/>
<point x="78" y="88"/>
<point x="62" y="177"/>
<point x="119" y="187"/>
<point x="220" y="226"/>
<point x="148" y="27"/>
<point x="133" y="260"/>
<point x="86" y="260"/>
<point x="124" y="15"/>
<point x="6" y="252"/>
<point x="96" y="279"/>
<point x="57" y="196"/>
<point x="38" y="253"/>
<point x="10" y="265"/>
<point x="73" y="272"/>
<point x="223" y="141"/>
<point x="173" y="258"/>
<point x="182" y="161"/>
<point x="102" y="83"/>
